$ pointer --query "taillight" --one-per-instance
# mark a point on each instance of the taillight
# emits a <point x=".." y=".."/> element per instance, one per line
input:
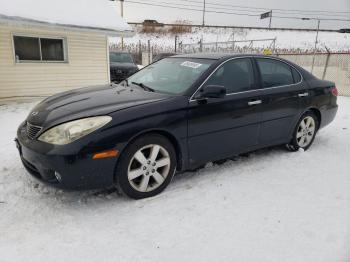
<point x="334" y="91"/>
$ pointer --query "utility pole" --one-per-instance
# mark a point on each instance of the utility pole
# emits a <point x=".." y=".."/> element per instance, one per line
<point x="122" y="15"/>
<point x="316" y="42"/>
<point x="318" y="29"/>
<point x="203" y="24"/>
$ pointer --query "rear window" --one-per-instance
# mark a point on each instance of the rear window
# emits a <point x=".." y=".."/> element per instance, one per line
<point x="120" y="58"/>
<point x="275" y="73"/>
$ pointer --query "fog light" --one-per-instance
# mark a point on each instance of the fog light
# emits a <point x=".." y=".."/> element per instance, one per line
<point x="58" y="176"/>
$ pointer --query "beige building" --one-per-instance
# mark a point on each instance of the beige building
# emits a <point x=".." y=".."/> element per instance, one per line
<point x="44" y="52"/>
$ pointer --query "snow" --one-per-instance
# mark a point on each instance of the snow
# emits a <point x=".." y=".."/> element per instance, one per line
<point x="286" y="40"/>
<point x="99" y="14"/>
<point x="271" y="206"/>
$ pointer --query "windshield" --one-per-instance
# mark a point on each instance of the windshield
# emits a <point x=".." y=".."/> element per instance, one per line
<point x="171" y="75"/>
<point x="120" y="58"/>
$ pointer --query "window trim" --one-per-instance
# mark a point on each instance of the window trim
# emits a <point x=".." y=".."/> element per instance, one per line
<point x="65" y="49"/>
<point x="193" y="99"/>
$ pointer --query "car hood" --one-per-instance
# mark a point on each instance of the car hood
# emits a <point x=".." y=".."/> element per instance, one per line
<point x="92" y="101"/>
<point x="122" y="65"/>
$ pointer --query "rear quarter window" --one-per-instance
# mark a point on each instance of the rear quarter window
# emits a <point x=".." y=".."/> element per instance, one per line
<point x="275" y="73"/>
<point x="296" y="75"/>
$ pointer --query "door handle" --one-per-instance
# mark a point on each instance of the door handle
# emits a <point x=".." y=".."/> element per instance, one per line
<point x="303" y="94"/>
<point x="256" y="102"/>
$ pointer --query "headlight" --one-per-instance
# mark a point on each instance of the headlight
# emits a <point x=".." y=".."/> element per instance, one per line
<point x="68" y="132"/>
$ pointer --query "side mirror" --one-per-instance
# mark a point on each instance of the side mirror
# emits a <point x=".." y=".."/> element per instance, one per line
<point x="212" y="91"/>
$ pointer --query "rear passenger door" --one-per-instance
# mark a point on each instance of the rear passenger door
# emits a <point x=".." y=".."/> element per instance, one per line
<point x="281" y="85"/>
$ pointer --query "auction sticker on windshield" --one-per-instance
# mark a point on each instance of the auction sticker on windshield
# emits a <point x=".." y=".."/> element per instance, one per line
<point x="191" y="64"/>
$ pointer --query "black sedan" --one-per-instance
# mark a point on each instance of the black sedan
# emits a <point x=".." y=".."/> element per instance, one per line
<point x="174" y="115"/>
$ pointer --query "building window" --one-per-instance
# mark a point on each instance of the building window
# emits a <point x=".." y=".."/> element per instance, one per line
<point x="32" y="49"/>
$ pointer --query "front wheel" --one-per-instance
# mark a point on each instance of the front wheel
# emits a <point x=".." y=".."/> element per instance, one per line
<point x="146" y="166"/>
<point x="304" y="133"/>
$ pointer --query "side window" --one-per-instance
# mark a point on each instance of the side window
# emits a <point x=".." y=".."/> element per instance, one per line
<point x="235" y="75"/>
<point x="274" y="73"/>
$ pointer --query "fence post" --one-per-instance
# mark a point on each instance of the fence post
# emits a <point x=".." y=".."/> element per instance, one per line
<point x="176" y="37"/>
<point x="140" y="52"/>
<point x="274" y="45"/>
<point x="233" y="42"/>
<point x="326" y="66"/>
<point x="149" y="51"/>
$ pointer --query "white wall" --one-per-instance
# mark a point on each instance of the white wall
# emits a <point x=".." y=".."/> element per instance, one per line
<point x="87" y="64"/>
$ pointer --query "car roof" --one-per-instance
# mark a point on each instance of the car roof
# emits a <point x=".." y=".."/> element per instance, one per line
<point x="225" y="56"/>
<point x="217" y="56"/>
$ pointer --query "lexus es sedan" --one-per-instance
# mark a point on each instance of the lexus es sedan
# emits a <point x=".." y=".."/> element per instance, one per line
<point x="174" y="115"/>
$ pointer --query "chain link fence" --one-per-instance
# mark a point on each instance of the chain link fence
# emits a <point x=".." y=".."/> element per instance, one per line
<point x="334" y="67"/>
<point x="329" y="66"/>
<point x="234" y="46"/>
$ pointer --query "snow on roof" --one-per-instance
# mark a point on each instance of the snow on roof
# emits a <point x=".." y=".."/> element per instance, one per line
<point x="89" y="14"/>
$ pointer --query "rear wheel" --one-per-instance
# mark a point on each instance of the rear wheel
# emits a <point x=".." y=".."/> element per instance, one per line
<point x="304" y="133"/>
<point x="146" y="166"/>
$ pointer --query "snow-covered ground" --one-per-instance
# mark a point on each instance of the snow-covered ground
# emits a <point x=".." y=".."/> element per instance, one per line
<point x="300" y="41"/>
<point x="269" y="206"/>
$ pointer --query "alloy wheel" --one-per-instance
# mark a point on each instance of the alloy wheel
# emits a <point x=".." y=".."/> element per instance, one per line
<point x="148" y="168"/>
<point x="306" y="131"/>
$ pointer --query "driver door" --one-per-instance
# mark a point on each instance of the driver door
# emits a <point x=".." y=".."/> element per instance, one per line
<point x="222" y="127"/>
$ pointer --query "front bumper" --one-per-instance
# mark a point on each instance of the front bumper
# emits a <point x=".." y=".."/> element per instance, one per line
<point x="67" y="167"/>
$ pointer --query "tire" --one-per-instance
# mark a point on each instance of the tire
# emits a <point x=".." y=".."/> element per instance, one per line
<point x="141" y="174"/>
<point x="304" y="133"/>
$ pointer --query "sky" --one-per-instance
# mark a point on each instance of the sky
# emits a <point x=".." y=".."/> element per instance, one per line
<point x="137" y="12"/>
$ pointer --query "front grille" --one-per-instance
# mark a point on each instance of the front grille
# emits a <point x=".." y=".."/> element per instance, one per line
<point x="32" y="131"/>
<point x="118" y="75"/>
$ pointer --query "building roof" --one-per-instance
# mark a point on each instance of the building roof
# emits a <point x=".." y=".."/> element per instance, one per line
<point x="98" y="15"/>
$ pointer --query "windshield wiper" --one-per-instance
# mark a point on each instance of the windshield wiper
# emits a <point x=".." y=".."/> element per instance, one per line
<point x="143" y="86"/>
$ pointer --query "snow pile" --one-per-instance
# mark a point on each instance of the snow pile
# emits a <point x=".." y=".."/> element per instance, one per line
<point x="100" y="14"/>
<point x="270" y="206"/>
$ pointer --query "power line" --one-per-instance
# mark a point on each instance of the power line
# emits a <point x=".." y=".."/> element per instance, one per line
<point x="257" y="12"/>
<point x="231" y="13"/>
<point x="264" y="8"/>
<point x="185" y="8"/>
